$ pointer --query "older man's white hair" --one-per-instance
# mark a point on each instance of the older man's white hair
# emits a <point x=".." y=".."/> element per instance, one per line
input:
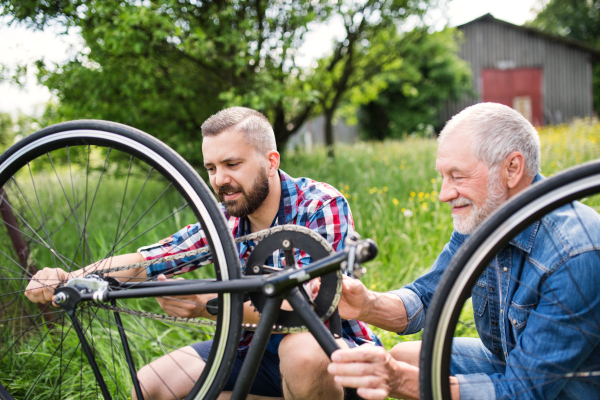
<point x="497" y="131"/>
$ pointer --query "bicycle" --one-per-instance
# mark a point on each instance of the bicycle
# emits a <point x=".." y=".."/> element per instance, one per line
<point x="66" y="184"/>
<point x="79" y="153"/>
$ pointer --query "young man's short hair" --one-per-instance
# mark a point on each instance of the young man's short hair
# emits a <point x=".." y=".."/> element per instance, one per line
<point x="255" y="127"/>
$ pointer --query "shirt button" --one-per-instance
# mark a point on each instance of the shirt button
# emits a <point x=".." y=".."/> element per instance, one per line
<point x="514" y="321"/>
<point x="491" y="288"/>
<point x="505" y="269"/>
<point x="501" y="311"/>
<point x="494" y="323"/>
<point x="496" y="350"/>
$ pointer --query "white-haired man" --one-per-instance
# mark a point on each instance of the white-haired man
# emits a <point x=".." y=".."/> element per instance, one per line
<point x="544" y="326"/>
<point x="242" y="161"/>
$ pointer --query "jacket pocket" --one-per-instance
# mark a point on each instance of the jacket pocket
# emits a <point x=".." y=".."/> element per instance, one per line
<point x="479" y="294"/>
<point x="519" y="314"/>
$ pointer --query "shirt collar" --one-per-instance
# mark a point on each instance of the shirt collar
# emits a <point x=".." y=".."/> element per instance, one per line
<point x="524" y="240"/>
<point x="288" y="206"/>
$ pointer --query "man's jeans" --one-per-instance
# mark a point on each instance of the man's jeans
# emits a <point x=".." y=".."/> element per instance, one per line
<point x="470" y="357"/>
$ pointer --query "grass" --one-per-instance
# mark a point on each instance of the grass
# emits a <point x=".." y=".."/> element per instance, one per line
<point x="392" y="189"/>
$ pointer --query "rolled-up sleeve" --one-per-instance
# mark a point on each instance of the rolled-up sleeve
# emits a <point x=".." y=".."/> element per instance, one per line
<point x="414" y="310"/>
<point x="189" y="238"/>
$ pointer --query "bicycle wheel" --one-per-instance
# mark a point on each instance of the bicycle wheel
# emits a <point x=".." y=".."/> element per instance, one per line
<point x="79" y="192"/>
<point x="475" y="272"/>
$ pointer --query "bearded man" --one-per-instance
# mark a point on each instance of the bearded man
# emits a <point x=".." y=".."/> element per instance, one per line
<point x="540" y="328"/>
<point x="242" y="161"/>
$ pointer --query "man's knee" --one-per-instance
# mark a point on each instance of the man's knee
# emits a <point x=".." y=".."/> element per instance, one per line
<point x="303" y="366"/>
<point x="301" y="350"/>
<point x="408" y="352"/>
<point x="170" y="377"/>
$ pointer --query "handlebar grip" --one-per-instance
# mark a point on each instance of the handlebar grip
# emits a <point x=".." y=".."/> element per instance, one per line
<point x="366" y="251"/>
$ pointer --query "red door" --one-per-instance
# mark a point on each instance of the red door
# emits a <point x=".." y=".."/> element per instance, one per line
<point x="519" y="88"/>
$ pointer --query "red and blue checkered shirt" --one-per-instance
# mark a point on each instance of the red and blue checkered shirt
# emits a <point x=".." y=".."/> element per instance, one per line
<point x="305" y="202"/>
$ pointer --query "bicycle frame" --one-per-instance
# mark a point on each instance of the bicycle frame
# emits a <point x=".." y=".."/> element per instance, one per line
<point x="277" y="287"/>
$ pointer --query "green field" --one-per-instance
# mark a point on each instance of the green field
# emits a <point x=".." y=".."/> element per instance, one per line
<point x="384" y="180"/>
<point x="392" y="188"/>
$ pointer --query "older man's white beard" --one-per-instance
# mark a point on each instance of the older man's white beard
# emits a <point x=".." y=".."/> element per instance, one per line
<point x="497" y="194"/>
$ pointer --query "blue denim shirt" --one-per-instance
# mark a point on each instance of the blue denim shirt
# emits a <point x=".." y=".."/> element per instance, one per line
<point x="538" y="311"/>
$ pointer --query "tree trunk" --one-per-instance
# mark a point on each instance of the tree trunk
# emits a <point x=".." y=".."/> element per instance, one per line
<point x="20" y="246"/>
<point x="328" y="129"/>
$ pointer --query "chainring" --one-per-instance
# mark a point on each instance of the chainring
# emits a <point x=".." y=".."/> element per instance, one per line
<point x="331" y="284"/>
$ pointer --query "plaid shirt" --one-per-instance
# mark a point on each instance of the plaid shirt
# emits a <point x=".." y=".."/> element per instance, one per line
<point x="317" y="206"/>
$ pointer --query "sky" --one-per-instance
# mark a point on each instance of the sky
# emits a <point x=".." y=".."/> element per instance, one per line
<point x="19" y="44"/>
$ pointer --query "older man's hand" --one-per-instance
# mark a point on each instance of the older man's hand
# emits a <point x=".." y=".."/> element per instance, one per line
<point x="355" y="297"/>
<point x="374" y="373"/>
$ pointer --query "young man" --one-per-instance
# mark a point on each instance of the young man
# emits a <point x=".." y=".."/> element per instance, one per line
<point x="242" y="161"/>
<point x="544" y="327"/>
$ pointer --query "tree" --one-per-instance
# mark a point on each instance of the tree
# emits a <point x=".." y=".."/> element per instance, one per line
<point x="575" y="19"/>
<point x="365" y="60"/>
<point x="432" y="73"/>
<point x="164" y="66"/>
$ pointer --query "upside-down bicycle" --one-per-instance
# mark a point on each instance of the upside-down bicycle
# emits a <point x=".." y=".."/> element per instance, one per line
<point x="82" y="191"/>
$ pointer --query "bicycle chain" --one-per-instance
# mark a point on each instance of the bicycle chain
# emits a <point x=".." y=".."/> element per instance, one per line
<point x="253" y="236"/>
<point x="208" y="323"/>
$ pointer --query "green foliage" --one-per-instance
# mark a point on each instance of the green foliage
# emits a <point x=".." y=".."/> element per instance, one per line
<point x="575" y="19"/>
<point x="167" y="65"/>
<point x="368" y="58"/>
<point x="15" y="128"/>
<point x="431" y="74"/>
<point x="164" y="66"/>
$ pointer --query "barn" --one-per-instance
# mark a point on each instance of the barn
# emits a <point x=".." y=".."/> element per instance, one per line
<point x="547" y="78"/>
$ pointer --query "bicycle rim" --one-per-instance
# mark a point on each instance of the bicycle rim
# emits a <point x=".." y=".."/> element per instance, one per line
<point x="80" y="192"/>
<point x="451" y="305"/>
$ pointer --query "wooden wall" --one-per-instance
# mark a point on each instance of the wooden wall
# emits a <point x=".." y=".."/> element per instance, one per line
<point x="567" y="74"/>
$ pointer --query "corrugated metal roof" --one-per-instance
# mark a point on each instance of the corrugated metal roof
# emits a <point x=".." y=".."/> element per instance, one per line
<point x="571" y="42"/>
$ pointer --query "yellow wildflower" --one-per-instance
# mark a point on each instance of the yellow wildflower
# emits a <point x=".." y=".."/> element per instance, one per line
<point x="412" y="194"/>
<point x="395" y="201"/>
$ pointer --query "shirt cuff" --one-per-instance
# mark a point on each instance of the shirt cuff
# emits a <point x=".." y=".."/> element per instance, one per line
<point x="414" y="310"/>
<point x="476" y="387"/>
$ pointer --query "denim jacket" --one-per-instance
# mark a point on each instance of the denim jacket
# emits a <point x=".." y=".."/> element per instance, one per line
<point x="536" y="308"/>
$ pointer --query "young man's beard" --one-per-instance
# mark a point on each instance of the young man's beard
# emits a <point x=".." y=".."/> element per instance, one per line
<point x="247" y="202"/>
<point x="496" y="195"/>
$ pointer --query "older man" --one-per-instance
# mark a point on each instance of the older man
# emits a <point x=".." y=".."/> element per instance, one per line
<point x="242" y="161"/>
<point x="548" y="275"/>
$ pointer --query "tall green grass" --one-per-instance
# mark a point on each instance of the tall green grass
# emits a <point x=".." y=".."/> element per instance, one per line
<point x="392" y="189"/>
<point x="384" y="180"/>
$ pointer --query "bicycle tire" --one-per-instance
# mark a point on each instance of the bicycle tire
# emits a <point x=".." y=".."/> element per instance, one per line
<point x="89" y="141"/>
<point x="474" y="256"/>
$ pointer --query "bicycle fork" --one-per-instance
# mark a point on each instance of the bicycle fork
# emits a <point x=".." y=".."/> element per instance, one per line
<point x="68" y="298"/>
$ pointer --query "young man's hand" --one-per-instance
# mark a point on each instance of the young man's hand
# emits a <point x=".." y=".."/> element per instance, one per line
<point x="40" y="288"/>
<point x="188" y="306"/>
